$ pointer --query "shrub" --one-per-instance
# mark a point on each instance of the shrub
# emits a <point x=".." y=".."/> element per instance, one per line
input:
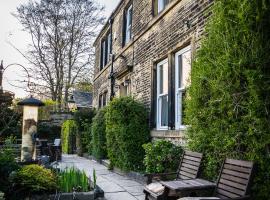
<point x="83" y="119"/>
<point x="99" y="149"/>
<point x="228" y="108"/>
<point x="73" y="178"/>
<point x="126" y="131"/>
<point x="7" y="164"/>
<point x="68" y="133"/>
<point x="161" y="156"/>
<point x="32" y="179"/>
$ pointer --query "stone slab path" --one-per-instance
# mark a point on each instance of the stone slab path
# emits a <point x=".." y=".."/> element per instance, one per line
<point x="115" y="186"/>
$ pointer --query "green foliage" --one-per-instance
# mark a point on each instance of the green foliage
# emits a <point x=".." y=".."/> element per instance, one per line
<point x="7" y="164"/>
<point x="44" y="112"/>
<point x="50" y="132"/>
<point x="32" y="179"/>
<point x="73" y="178"/>
<point x="83" y="119"/>
<point x="99" y="149"/>
<point x="126" y="131"/>
<point x="10" y="121"/>
<point x="161" y="156"/>
<point x="229" y="98"/>
<point x="68" y="132"/>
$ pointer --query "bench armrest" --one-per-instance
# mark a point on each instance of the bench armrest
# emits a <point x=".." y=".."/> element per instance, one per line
<point x="158" y="176"/>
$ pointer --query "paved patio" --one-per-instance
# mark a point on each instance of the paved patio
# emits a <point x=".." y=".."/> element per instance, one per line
<point x="115" y="186"/>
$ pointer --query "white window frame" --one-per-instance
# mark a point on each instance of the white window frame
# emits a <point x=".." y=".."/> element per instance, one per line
<point x="128" y="27"/>
<point x="179" y="91"/>
<point x="158" y="102"/>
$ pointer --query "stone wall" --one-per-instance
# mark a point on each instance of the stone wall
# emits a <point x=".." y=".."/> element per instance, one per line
<point x="154" y="38"/>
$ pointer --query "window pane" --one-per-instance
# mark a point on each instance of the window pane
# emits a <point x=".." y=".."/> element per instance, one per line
<point x="104" y="53"/>
<point x="179" y="71"/>
<point x="163" y="79"/>
<point x="160" y="5"/>
<point x="164" y="110"/>
<point x="128" y="19"/>
<point x="186" y="68"/>
<point x="183" y="96"/>
<point x="100" y="101"/>
<point x="104" y="99"/>
<point x="109" y="47"/>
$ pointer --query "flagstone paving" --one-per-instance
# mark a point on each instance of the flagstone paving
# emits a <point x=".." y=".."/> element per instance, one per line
<point x="115" y="186"/>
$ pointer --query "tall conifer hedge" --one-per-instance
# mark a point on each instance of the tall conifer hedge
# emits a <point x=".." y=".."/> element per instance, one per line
<point x="228" y="106"/>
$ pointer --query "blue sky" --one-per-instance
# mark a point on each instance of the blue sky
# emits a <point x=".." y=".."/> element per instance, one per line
<point x="10" y="31"/>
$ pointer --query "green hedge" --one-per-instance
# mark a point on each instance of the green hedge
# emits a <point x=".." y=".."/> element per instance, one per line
<point x="126" y="131"/>
<point x="98" y="144"/>
<point x="68" y="133"/>
<point x="229" y="98"/>
<point x="161" y="156"/>
<point x="83" y="120"/>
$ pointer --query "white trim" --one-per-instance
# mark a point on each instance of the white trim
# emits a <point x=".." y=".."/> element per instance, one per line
<point x="179" y="91"/>
<point x="158" y="113"/>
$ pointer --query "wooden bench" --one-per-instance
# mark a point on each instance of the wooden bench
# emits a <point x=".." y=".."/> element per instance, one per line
<point x="233" y="182"/>
<point x="189" y="168"/>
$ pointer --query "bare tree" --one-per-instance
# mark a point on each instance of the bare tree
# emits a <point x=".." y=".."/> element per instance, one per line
<point x="61" y="51"/>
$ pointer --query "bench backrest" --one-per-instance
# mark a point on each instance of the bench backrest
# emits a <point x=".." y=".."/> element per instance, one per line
<point x="189" y="167"/>
<point x="234" y="179"/>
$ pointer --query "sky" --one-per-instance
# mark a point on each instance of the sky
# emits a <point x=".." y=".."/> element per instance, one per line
<point x="11" y="32"/>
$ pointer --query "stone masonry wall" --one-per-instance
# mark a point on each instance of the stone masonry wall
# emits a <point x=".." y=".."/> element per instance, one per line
<point x="154" y="38"/>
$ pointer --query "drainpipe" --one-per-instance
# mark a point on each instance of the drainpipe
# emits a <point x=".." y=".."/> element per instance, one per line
<point x="112" y="61"/>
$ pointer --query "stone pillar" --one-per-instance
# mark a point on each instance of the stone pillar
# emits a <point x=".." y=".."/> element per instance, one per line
<point x="30" y="117"/>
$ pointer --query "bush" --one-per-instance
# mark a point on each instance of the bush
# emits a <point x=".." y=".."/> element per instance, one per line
<point x="7" y="164"/>
<point x="228" y="108"/>
<point x="68" y="133"/>
<point x="126" y="131"/>
<point x="161" y="156"/>
<point x="73" y="178"/>
<point x="32" y="179"/>
<point x="83" y="119"/>
<point x="99" y="149"/>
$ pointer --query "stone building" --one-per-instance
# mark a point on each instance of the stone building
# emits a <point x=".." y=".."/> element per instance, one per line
<point x="144" y="50"/>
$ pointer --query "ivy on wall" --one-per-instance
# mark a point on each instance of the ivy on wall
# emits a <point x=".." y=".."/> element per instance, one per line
<point x="228" y="104"/>
<point x="68" y="133"/>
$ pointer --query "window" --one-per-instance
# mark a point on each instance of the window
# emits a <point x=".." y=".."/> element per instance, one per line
<point x="182" y="75"/>
<point x="102" y="101"/>
<point x="162" y="95"/>
<point x="105" y="51"/>
<point x="159" y="5"/>
<point x="127" y="25"/>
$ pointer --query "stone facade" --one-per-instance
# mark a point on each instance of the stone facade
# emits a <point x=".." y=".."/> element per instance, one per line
<point x="154" y="38"/>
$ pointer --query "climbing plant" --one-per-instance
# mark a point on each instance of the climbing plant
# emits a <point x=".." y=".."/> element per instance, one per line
<point x="228" y="102"/>
<point x="68" y="133"/>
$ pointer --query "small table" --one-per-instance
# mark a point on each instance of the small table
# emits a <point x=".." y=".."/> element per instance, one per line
<point x="188" y="186"/>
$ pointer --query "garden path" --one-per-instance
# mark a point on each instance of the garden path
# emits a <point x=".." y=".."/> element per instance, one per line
<point x="115" y="186"/>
